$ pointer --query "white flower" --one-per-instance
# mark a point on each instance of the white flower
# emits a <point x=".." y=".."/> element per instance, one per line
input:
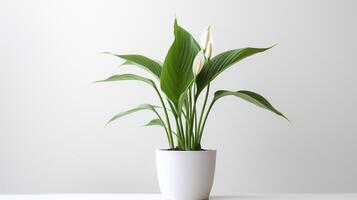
<point x="208" y="51"/>
<point x="206" y="37"/>
<point x="198" y="63"/>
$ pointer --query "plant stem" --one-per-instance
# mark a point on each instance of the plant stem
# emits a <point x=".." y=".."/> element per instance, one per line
<point x="182" y="133"/>
<point x="193" y="118"/>
<point x="171" y="141"/>
<point x="193" y="136"/>
<point x="187" y="124"/>
<point x="204" y="121"/>
<point x="188" y="120"/>
<point x="202" y="112"/>
<point x="179" y="131"/>
<point x="200" y="127"/>
<point x="166" y="130"/>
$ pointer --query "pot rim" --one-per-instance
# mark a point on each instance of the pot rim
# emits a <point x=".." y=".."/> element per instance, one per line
<point x="175" y="151"/>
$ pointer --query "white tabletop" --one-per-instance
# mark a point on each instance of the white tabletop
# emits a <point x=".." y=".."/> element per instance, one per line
<point x="158" y="197"/>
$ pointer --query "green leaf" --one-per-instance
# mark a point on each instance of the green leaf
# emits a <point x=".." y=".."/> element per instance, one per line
<point x="136" y="109"/>
<point x="127" y="62"/>
<point x="144" y="62"/>
<point x="158" y="122"/>
<point x="221" y="62"/>
<point x="160" y="63"/>
<point x="125" y="77"/>
<point x="177" y="74"/>
<point x="155" y="122"/>
<point x="183" y="99"/>
<point x="249" y="96"/>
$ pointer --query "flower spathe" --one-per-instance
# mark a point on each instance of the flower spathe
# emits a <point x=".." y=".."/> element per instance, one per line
<point x="208" y="51"/>
<point x="206" y="37"/>
<point x="198" y="63"/>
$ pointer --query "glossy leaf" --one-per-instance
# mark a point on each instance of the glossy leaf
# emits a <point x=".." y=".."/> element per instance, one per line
<point x="221" y="62"/>
<point x="158" y="122"/>
<point x="125" y="77"/>
<point x="127" y="62"/>
<point x="144" y="62"/>
<point x="155" y="122"/>
<point x="183" y="99"/>
<point x="251" y="97"/>
<point x="136" y="109"/>
<point x="177" y="73"/>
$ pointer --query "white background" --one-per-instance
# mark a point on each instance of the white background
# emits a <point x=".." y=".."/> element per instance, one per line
<point x="52" y="133"/>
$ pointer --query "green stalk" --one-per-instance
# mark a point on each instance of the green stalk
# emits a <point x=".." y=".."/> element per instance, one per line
<point x="179" y="131"/>
<point x="183" y="113"/>
<point x="204" y="121"/>
<point x="171" y="141"/>
<point x="193" y="119"/>
<point x="179" y="124"/>
<point x="187" y="123"/>
<point x="203" y="108"/>
<point x="188" y="120"/>
<point x="193" y="136"/>
<point x="183" y="134"/>
<point x="166" y="130"/>
<point x="193" y="116"/>
<point x="199" y="132"/>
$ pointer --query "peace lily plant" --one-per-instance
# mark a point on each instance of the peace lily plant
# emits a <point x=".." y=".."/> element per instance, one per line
<point x="184" y="78"/>
<point x="186" y="73"/>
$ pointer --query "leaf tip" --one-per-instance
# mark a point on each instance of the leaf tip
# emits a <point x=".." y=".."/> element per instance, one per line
<point x="97" y="81"/>
<point x="272" y="46"/>
<point x="175" y="23"/>
<point x="282" y="115"/>
<point x="288" y="120"/>
<point x="108" y="122"/>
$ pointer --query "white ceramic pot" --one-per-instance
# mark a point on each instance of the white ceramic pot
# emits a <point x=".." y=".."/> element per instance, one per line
<point x="185" y="175"/>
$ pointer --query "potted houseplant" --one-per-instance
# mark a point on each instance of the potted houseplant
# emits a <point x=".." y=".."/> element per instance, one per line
<point x="186" y="170"/>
